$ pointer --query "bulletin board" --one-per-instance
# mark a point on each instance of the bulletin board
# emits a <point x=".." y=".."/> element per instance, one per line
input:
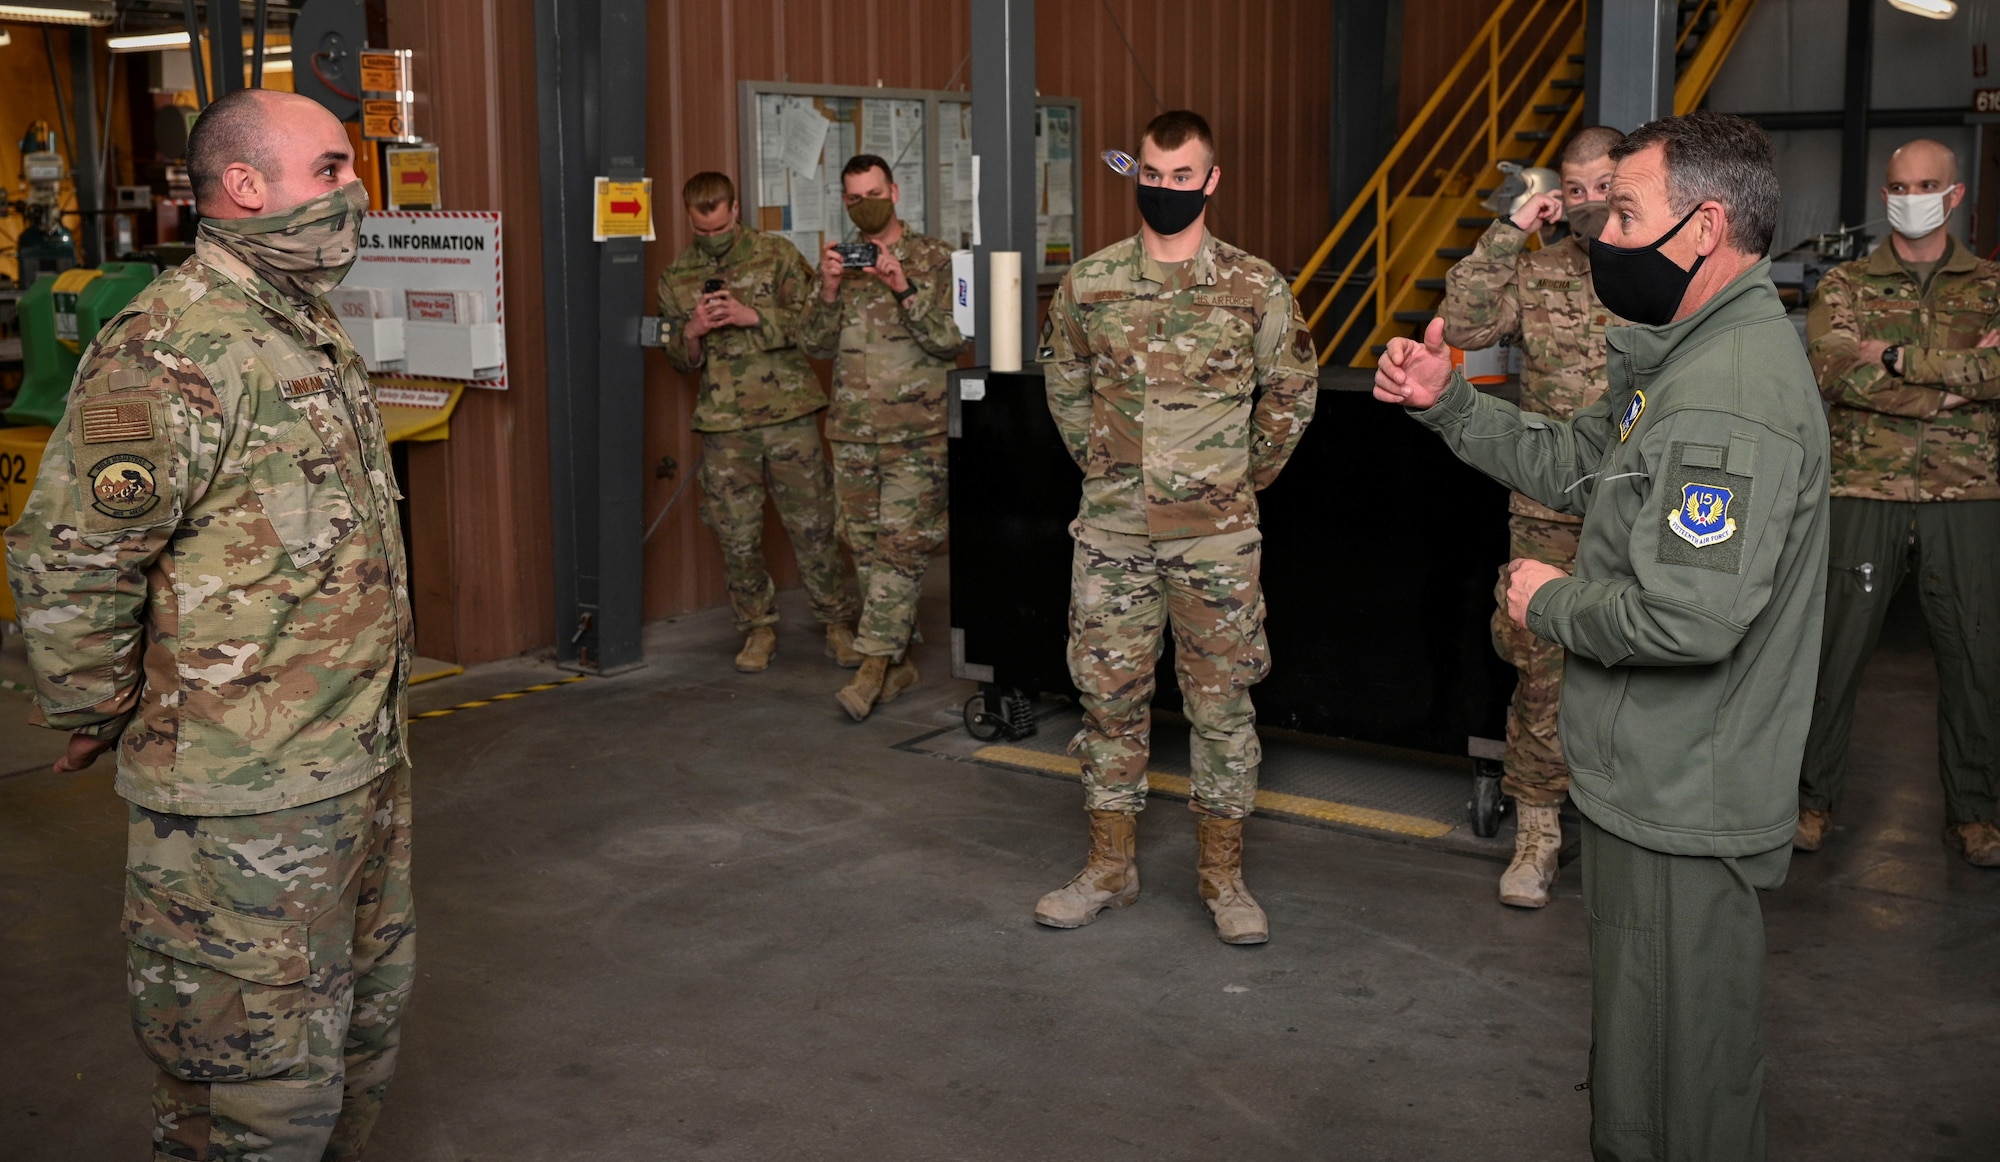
<point x="795" y="138"/>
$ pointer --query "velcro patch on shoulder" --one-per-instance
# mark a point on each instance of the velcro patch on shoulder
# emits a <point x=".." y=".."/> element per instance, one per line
<point x="124" y="378"/>
<point x="306" y="385"/>
<point x="127" y="422"/>
<point x="1709" y="506"/>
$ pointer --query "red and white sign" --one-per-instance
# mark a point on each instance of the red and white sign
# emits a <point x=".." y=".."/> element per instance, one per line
<point x="434" y="254"/>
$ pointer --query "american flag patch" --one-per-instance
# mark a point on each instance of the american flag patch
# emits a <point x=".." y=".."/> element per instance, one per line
<point x="113" y="423"/>
<point x="308" y="385"/>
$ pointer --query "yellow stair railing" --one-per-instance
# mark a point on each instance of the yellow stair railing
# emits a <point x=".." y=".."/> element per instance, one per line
<point x="1524" y="96"/>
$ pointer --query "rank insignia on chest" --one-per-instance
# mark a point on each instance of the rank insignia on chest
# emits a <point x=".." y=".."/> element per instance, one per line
<point x="122" y="486"/>
<point x="1703" y="516"/>
<point x="1633" y="411"/>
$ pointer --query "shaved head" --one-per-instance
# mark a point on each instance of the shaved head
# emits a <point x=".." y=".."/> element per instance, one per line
<point x="230" y="130"/>
<point x="258" y="152"/>
<point x="1923" y="159"/>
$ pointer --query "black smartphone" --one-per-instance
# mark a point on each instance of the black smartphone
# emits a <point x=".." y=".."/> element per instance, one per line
<point x="856" y="255"/>
<point x="711" y="286"/>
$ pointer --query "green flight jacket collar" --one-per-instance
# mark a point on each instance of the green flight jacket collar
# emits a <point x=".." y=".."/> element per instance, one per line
<point x="1884" y="262"/>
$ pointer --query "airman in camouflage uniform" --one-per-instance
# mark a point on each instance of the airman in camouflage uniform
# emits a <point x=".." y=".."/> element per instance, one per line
<point x="1181" y="389"/>
<point x="757" y="413"/>
<point x="1543" y="301"/>
<point x="210" y="577"/>
<point x="1906" y="352"/>
<point x="891" y="350"/>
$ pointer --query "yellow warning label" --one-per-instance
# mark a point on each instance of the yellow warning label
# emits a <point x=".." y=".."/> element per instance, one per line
<point x="386" y="120"/>
<point x="624" y="210"/>
<point x="413" y="178"/>
<point x="385" y="72"/>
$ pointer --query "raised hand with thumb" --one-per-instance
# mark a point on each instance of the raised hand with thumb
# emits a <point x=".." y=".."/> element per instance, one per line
<point x="1414" y="374"/>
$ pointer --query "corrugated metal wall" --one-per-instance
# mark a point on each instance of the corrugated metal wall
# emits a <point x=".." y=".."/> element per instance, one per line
<point x="1256" y="68"/>
<point x="1259" y="70"/>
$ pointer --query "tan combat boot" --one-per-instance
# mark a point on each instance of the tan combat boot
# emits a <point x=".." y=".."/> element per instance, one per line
<point x="901" y="676"/>
<point x="1219" y="867"/>
<point x="1814" y="826"/>
<point x="840" y="645"/>
<point x="758" y="647"/>
<point x="1978" y="842"/>
<point x="859" y="695"/>
<point x="1109" y="879"/>
<point x="1538" y="840"/>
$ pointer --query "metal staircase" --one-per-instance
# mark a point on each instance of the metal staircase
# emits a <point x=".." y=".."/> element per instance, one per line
<point x="1513" y="95"/>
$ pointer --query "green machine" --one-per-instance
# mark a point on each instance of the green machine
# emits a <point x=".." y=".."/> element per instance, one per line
<point x="60" y="315"/>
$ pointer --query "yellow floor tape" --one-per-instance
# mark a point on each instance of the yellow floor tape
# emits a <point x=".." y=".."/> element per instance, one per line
<point x="509" y="696"/>
<point x="1322" y="809"/>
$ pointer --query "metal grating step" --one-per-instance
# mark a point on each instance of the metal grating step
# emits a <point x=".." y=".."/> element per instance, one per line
<point x="1430" y="284"/>
<point x="1453" y="253"/>
<point x="1423" y="317"/>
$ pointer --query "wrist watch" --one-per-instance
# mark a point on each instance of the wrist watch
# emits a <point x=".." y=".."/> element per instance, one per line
<point x="908" y="292"/>
<point x="1892" y="359"/>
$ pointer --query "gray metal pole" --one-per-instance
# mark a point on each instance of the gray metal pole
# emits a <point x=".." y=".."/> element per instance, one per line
<point x="590" y="73"/>
<point x="1855" y="179"/>
<point x="1003" y="149"/>
<point x="225" y="46"/>
<point x="1631" y="61"/>
<point x="88" y="165"/>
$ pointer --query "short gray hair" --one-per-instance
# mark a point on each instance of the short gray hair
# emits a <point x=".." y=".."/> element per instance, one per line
<point x="1715" y="157"/>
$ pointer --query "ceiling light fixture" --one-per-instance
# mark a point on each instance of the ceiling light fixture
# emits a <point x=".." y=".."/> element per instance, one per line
<point x="86" y="12"/>
<point x="146" y="42"/>
<point x="1935" y="9"/>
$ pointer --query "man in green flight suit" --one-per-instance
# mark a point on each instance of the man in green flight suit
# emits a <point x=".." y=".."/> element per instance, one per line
<point x="1907" y="355"/>
<point x="1181" y="376"/>
<point x="729" y="311"/>
<point x="1692" y="622"/>
<point x="1542" y="297"/>
<point x="211" y="579"/>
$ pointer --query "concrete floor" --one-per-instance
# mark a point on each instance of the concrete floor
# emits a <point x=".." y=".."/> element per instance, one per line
<point x="691" y="914"/>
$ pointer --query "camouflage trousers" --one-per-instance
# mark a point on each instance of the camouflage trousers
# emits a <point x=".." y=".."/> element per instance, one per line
<point x="1125" y="591"/>
<point x="1534" y="771"/>
<point x="270" y="959"/>
<point x="892" y="518"/>
<point x="736" y="468"/>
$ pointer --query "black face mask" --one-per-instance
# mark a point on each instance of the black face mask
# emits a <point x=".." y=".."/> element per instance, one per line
<point x="1170" y="211"/>
<point x="1638" y="283"/>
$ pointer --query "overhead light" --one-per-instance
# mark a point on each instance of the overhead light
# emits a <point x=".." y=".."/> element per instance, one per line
<point x="1935" y="9"/>
<point x="147" y="42"/>
<point x="6" y="38"/>
<point x="81" y="12"/>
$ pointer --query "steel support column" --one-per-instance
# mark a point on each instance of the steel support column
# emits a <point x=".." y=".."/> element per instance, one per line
<point x="1367" y="79"/>
<point x="84" y="140"/>
<point x="1003" y="151"/>
<point x="1629" y="66"/>
<point x="225" y="47"/>
<point x="590" y="65"/>
<point x="1859" y="87"/>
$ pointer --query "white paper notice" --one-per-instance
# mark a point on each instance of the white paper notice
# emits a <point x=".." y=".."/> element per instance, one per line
<point x="805" y="136"/>
<point x="878" y="133"/>
<point x="808" y="207"/>
<point x="1061" y="200"/>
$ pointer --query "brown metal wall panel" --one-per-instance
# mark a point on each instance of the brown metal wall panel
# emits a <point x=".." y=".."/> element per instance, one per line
<point x="1435" y="32"/>
<point x="480" y="502"/>
<point x="1256" y="68"/>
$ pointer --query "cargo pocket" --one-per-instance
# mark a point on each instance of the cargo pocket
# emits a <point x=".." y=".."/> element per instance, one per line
<point x="1626" y="1075"/>
<point x="216" y="995"/>
<point x="299" y="489"/>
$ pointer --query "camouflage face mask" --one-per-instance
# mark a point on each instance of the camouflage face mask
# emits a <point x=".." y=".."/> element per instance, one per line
<point x="304" y="251"/>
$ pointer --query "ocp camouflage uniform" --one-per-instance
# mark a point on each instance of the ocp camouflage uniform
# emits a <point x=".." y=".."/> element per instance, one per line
<point x="1544" y="300"/>
<point x="757" y="416"/>
<point x="1180" y="392"/>
<point x="211" y="571"/>
<point x="1915" y="487"/>
<point x="887" y="426"/>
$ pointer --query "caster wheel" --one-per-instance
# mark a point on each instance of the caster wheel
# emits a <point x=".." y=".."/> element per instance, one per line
<point x="978" y="723"/>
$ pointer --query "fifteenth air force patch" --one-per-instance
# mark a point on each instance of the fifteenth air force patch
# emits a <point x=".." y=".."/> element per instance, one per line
<point x="1703" y="517"/>
<point x="1633" y="411"/>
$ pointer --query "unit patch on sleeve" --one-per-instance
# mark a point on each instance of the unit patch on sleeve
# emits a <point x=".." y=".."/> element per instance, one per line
<point x="122" y="486"/>
<point x="1633" y="411"/>
<point x="1709" y="504"/>
<point x="116" y="423"/>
